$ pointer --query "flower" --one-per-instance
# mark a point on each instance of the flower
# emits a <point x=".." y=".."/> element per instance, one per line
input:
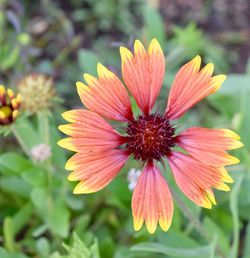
<point x="41" y="152"/>
<point x="9" y="106"/>
<point x="37" y="91"/>
<point x="133" y="176"/>
<point x="101" y="151"/>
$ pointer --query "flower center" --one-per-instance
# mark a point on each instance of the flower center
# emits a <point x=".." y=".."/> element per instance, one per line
<point x="150" y="137"/>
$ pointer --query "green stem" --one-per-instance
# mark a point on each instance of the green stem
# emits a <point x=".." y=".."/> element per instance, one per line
<point x="43" y="126"/>
<point x="43" y="122"/>
<point x="8" y="234"/>
<point x="196" y="223"/>
<point x="20" y="141"/>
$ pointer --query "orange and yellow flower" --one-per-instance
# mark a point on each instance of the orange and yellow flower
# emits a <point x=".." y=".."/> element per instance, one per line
<point x="101" y="151"/>
<point x="9" y="106"/>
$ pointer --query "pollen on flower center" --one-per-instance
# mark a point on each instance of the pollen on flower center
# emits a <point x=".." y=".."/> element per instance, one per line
<point x="150" y="137"/>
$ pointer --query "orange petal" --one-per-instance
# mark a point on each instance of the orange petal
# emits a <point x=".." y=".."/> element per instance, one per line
<point x="209" y="145"/>
<point x="143" y="73"/>
<point x="152" y="201"/>
<point x="196" y="179"/>
<point x="106" y="96"/>
<point x="95" y="170"/>
<point x="88" y="130"/>
<point x="190" y="86"/>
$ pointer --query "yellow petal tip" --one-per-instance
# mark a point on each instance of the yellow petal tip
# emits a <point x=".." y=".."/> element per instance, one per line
<point x="81" y="87"/>
<point x="66" y="115"/>
<point x="231" y="134"/>
<point x="154" y="46"/>
<point x="138" y="223"/>
<point x="90" y="79"/>
<point x="164" y="226"/>
<point x="138" y="47"/>
<point x="65" y="129"/>
<point x="70" y="165"/>
<point x="71" y="176"/>
<point x="234" y="160"/>
<point x="104" y="71"/>
<point x="82" y="189"/>
<point x="66" y="143"/>
<point x="10" y="93"/>
<point x="125" y="54"/>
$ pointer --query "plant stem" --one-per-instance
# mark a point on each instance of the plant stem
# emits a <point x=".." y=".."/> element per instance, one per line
<point x="196" y="223"/>
<point x="43" y="121"/>
<point x="20" y="141"/>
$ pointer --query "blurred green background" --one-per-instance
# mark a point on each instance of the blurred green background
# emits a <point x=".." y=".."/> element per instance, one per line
<point x="39" y="215"/>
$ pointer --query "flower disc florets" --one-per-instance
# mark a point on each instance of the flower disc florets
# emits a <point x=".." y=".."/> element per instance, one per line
<point x="37" y="91"/>
<point x="150" y="137"/>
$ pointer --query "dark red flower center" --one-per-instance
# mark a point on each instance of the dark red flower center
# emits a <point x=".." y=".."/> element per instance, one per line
<point x="150" y="137"/>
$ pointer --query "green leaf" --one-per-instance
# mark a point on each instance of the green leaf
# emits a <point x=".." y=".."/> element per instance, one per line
<point x="43" y="247"/>
<point x="177" y="239"/>
<point x="8" y="234"/>
<point x="58" y="218"/>
<point x="35" y="176"/>
<point x="11" y="58"/>
<point x="80" y="250"/>
<point x="234" y="196"/>
<point x="87" y="61"/>
<point x="245" y="118"/>
<point x="235" y="84"/>
<point x="154" y="24"/>
<point x="14" y="162"/>
<point x="94" y="249"/>
<point x="22" y="217"/>
<point x="5" y="254"/>
<point x="214" y="230"/>
<point x="197" y="252"/>
<point x="82" y="223"/>
<point x="25" y="132"/>
<point x="15" y="185"/>
<point x="246" y="251"/>
<point x="39" y="197"/>
<point x="54" y="212"/>
<point x="244" y="199"/>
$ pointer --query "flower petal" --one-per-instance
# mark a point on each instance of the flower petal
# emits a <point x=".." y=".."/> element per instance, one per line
<point x="95" y="170"/>
<point x="209" y="145"/>
<point x="190" y="86"/>
<point x="196" y="180"/>
<point x="106" y="96"/>
<point x="88" y="129"/>
<point x="143" y="73"/>
<point x="152" y="200"/>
